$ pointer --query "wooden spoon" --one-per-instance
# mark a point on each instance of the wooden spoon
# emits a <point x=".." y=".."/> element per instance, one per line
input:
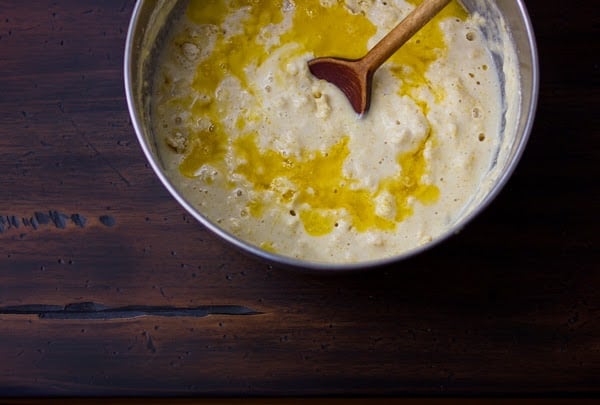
<point x="355" y="77"/>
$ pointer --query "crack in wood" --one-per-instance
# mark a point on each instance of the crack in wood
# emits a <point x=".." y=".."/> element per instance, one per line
<point x="52" y="217"/>
<point x="92" y="311"/>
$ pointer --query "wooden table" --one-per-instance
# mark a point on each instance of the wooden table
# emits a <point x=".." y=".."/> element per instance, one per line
<point x="108" y="287"/>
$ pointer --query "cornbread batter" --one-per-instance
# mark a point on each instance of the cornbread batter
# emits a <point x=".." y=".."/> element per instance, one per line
<point x="281" y="160"/>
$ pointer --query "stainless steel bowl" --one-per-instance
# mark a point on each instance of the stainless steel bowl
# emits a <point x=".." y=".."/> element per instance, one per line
<point x="148" y="27"/>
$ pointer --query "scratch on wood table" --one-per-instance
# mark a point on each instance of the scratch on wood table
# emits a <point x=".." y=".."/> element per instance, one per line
<point x="92" y="310"/>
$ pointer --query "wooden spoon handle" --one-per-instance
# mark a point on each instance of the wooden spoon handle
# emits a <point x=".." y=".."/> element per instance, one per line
<point x="402" y="33"/>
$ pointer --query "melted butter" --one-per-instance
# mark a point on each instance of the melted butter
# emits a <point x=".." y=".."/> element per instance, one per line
<point x="232" y="54"/>
<point x="324" y="193"/>
<point x="204" y="147"/>
<point x="316" y="182"/>
<point x="207" y="11"/>
<point x="329" y="31"/>
<point x="408" y="183"/>
<point x="317" y="223"/>
<point x="349" y="35"/>
<point x="413" y="59"/>
<point x="268" y="246"/>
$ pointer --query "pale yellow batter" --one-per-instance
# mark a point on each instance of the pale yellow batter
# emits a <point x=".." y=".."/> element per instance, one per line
<point x="280" y="159"/>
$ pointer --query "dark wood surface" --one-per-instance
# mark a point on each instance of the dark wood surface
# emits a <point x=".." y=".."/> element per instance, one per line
<point x="108" y="287"/>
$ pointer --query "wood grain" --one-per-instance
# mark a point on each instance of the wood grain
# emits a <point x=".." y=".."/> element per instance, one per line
<point x="509" y="306"/>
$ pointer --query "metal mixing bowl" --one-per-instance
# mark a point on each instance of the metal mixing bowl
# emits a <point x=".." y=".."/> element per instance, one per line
<point x="147" y="30"/>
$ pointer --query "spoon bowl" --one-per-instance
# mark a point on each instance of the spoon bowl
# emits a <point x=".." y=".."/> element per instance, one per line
<point x="355" y="77"/>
